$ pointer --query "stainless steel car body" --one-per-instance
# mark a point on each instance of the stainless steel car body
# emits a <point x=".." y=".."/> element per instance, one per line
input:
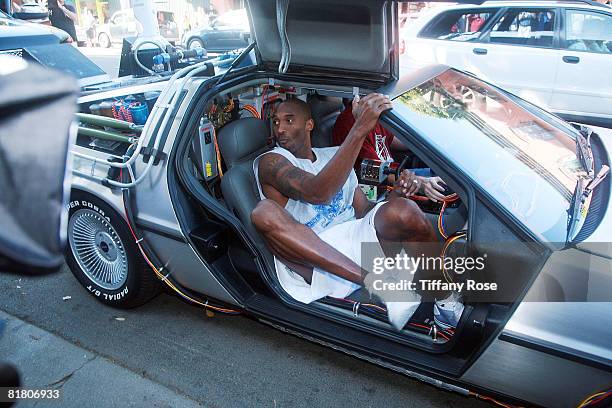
<point x="542" y="346"/>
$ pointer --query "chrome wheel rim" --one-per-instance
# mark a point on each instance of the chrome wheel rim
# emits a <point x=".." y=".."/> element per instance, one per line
<point x="98" y="249"/>
<point x="195" y="44"/>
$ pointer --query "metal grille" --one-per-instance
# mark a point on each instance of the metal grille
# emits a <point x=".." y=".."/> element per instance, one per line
<point x="15" y="53"/>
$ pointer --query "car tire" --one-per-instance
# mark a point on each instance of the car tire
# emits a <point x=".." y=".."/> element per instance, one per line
<point x="103" y="256"/>
<point x="195" y="43"/>
<point x="104" y="40"/>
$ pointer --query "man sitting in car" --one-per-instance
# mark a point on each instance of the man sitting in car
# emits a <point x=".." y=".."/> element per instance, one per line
<point x="313" y="215"/>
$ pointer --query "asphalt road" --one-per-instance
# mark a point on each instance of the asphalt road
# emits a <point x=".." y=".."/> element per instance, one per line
<point x="176" y="353"/>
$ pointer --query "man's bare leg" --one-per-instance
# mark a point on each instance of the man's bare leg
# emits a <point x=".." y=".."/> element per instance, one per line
<point x="298" y="244"/>
<point x="400" y="220"/>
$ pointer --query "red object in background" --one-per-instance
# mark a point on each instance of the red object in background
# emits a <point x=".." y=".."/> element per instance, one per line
<point x="342" y="127"/>
<point x="475" y="23"/>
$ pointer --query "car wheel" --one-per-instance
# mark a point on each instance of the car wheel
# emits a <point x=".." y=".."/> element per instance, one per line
<point x="195" y="43"/>
<point x="104" y="40"/>
<point x="103" y="256"/>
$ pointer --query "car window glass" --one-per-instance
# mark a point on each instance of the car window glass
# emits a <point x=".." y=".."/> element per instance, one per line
<point x="586" y="31"/>
<point x="458" y="25"/>
<point x="534" y="27"/>
<point x="520" y="157"/>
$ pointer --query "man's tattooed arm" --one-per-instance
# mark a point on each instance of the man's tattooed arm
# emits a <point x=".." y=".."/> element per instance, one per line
<point x="278" y="172"/>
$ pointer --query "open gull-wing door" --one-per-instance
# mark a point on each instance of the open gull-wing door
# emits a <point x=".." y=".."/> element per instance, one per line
<point x="349" y="38"/>
<point x="352" y="38"/>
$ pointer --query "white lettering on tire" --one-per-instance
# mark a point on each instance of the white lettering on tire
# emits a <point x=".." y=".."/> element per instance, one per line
<point x="116" y="296"/>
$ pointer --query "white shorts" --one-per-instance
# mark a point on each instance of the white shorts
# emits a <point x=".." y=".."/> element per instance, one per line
<point x="347" y="238"/>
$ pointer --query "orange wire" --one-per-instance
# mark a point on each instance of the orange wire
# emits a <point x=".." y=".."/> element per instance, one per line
<point x="217" y="152"/>
<point x="252" y="110"/>
<point x="493" y="400"/>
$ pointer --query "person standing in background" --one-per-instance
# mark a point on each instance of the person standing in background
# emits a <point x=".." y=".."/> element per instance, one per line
<point x="89" y="23"/>
<point x="63" y="16"/>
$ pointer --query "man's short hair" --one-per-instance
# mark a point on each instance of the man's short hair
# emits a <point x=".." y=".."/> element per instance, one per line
<point x="300" y="105"/>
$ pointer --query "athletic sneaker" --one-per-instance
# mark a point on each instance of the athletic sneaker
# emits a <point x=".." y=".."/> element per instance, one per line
<point x="447" y="312"/>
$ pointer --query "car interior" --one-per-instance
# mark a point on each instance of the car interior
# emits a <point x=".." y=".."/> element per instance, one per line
<point x="237" y="123"/>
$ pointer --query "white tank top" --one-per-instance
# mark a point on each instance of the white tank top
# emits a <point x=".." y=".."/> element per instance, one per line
<point x="317" y="217"/>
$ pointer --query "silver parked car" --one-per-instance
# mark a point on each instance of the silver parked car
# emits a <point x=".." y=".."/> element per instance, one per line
<point x="169" y="203"/>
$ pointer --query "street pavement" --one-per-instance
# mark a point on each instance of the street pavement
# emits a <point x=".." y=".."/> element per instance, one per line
<point x="170" y="354"/>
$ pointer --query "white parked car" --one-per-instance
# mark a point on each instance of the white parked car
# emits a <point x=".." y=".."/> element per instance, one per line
<point x="557" y="55"/>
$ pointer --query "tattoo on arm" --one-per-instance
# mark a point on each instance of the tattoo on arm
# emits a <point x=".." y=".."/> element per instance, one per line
<point x="289" y="180"/>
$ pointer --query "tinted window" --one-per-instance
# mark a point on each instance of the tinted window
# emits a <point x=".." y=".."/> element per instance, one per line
<point x="458" y="25"/>
<point x="534" y="27"/>
<point x="585" y="31"/>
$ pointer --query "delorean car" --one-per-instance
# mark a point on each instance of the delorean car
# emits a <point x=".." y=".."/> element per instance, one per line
<point x="163" y="189"/>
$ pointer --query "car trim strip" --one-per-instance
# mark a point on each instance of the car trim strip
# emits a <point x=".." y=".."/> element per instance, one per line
<point x="556" y="350"/>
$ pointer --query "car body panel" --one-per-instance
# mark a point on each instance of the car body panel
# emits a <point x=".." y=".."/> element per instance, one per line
<point x="156" y="215"/>
<point x="310" y="38"/>
<point x="112" y="197"/>
<point x="535" y="376"/>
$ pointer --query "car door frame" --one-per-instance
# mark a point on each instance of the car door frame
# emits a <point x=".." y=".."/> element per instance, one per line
<point x="485" y="37"/>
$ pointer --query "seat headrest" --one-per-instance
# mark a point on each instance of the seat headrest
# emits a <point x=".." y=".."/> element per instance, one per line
<point x="321" y="106"/>
<point x="242" y="138"/>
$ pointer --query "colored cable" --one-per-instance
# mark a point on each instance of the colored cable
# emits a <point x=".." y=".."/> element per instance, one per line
<point x="447" y="245"/>
<point x="252" y="110"/>
<point x="217" y="152"/>
<point x="595" y="399"/>
<point x="447" y="200"/>
<point x="493" y="400"/>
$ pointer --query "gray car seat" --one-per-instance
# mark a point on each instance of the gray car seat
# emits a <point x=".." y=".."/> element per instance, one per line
<point x="325" y="110"/>
<point x="240" y="143"/>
